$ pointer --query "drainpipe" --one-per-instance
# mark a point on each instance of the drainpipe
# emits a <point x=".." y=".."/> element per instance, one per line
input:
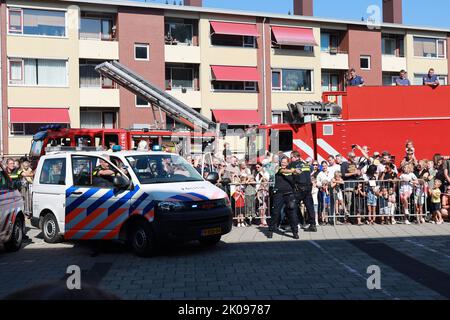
<point x="264" y="71"/>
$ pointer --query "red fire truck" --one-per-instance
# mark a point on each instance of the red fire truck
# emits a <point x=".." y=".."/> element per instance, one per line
<point x="383" y="118"/>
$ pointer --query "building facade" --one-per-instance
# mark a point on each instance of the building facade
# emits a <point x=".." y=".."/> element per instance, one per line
<point x="234" y="67"/>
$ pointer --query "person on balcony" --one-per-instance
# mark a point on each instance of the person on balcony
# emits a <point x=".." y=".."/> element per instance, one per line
<point x="354" y="80"/>
<point x="431" y="79"/>
<point x="402" y="80"/>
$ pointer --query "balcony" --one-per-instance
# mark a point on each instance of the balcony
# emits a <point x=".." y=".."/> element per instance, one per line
<point x="190" y="97"/>
<point x="335" y="60"/>
<point x="98" y="97"/>
<point x="393" y="63"/>
<point x="182" y="54"/>
<point x="97" y="49"/>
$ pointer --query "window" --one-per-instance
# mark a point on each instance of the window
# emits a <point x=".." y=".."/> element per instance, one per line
<point x="365" y="62"/>
<point x="293" y="80"/>
<point x="389" y="79"/>
<point x="29" y="129"/>
<point x="233" y="41"/>
<point x="37" y="22"/>
<point x="98" y="119"/>
<point x="90" y="78"/>
<point x="100" y="28"/>
<point x="53" y="172"/>
<point x="329" y="42"/>
<point x="178" y="33"/>
<point x="234" y="86"/>
<point x="430" y="47"/>
<point x="141" y="102"/>
<point x="276" y="80"/>
<point x="330" y="82"/>
<point x="38" y="72"/>
<point x="87" y="172"/>
<point x="418" y="79"/>
<point x="388" y="46"/>
<point x="178" y="78"/>
<point x="141" y="51"/>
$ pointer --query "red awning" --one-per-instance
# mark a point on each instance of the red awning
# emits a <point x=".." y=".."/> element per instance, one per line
<point x="292" y="36"/>
<point x="230" y="73"/>
<point x="237" y="117"/>
<point x="235" y="29"/>
<point x="39" y="115"/>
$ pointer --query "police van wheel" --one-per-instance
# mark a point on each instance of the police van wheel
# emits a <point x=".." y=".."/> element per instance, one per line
<point x="50" y="229"/>
<point x="210" y="241"/>
<point x="142" y="240"/>
<point x="15" y="243"/>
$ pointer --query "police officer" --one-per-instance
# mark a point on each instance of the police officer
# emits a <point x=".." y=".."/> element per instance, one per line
<point x="284" y="195"/>
<point x="303" y="188"/>
<point x="15" y="174"/>
<point x="103" y="172"/>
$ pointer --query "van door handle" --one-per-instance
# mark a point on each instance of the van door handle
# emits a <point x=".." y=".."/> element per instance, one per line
<point x="79" y="193"/>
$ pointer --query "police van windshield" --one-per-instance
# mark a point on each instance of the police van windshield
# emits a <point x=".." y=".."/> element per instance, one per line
<point x="151" y="169"/>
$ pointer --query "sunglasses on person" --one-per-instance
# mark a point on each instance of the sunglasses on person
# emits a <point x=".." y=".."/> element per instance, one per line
<point x="315" y="164"/>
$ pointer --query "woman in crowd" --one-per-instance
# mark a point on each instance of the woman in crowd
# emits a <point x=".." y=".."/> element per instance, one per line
<point x="445" y="210"/>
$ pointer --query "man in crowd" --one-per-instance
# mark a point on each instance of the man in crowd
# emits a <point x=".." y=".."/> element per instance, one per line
<point x="333" y="167"/>
<point x="232" y="169"/>
<point x="13" y="172"/>
<point x="431" y="79"/>
<point x="303" y="187"/>
<point x="402" y="80"/>
<point x="354" y="80"/>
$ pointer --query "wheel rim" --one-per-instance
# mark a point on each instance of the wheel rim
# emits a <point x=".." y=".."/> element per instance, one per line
<point x="18" y="234"/>
<point x="50" y="228"/>
<point x="140" y="239"/>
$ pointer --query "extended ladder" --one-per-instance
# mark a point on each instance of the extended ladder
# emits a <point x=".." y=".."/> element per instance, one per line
<point x="136" y="84"/>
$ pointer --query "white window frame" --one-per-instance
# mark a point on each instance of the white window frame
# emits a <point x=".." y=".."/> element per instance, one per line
<point x="140" y="105"/>
<point x="369" y="59"/>
<point x="22" y="84"/>
<point x="20" y="8"/>
<point x="22" y="71"/>
<point x="437" y="47"/>
<point x="142" y="45"/>
<point x="21" y="21"/>
<point x="290" y="91"/>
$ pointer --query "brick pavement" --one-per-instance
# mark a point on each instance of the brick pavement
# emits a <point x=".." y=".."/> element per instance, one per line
<point x="245" y="265"/>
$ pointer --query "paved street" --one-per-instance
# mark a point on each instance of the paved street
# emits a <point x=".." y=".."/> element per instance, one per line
<point x="330" y="264"/>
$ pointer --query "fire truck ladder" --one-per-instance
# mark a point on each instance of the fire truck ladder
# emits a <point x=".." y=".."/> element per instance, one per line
<point x="133" y="82"/>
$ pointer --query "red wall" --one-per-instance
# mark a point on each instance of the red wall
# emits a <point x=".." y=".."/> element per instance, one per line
<point x="139" y="25"/>
<point x="363" y="41"/>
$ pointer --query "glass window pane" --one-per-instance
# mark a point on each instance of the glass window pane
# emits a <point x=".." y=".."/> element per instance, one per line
<point x="90" y="28"/>
<point x="15" y="21"/>
<point x="181" y="33"/>
<point x="441" y="49"/>
<point x="44" y="22"/>
<point x="16" y="72"/>
<point x="365" y="63"/>
<point x="325" y="42"/>
<point x="425" y="47"/>
<point x="52" y="72"/>
<point x="106" y="29"/>
<point x="276" y="79"/>
<point x="296" y="80"/>
<point x="30" y="72"/>
<point x="53" y="172"/>
<point x="141" y="101"/>
<point x="90" y="120"/>
<point x="182" y="78"/>
<point x="89" y="78"/>
<point x="141" y="52"/>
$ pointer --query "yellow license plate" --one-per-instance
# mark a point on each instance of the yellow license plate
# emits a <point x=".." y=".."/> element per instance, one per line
<point x="211" y="231"/>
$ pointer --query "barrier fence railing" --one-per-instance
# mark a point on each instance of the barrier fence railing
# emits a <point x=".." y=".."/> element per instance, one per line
<point x="382" y="201"/>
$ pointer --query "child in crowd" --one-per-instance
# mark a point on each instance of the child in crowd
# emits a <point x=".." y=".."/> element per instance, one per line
<point x="337" y="184"/>
<point x="238" y="195"/>
<point x="315" y="196"/>
<point x="446" y="204"/>
<point x="436" y="202"/>
<point x="263" y="203"/>
<point x="372" y="200"/>
<point x="384" y="205"/>
<point x="419" y="199"/>
<point x="392" y="205"/>
<point x="360" y="202"/>
<point x="407" y="180"/>
<point x="250" y="195"/>
<point x="326" y="202"/>
<point x="409" y="146"/>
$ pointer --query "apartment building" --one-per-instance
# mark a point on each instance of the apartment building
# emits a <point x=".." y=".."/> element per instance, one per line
<point x="240" y="68"/>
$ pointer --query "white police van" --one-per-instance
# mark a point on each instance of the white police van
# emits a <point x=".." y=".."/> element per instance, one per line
<point x="143" y="198"/>
<point x="12" y="218"/>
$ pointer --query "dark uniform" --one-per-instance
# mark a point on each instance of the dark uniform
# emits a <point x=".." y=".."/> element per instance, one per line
<point x="303" y="186"/>
<point x="105" y="181"/>
<point x="283" y="194"/>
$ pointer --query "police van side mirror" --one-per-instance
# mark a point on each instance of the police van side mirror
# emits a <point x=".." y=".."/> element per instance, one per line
<point x="121" y="183"/>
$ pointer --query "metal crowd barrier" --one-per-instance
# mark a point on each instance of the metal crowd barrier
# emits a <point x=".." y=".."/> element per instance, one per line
<point x="375" y="201"/>
<point x="251" y="201"/>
